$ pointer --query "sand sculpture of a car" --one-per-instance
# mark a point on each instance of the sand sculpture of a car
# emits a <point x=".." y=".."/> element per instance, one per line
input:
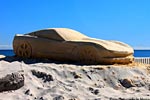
<point x="64" y="44"/>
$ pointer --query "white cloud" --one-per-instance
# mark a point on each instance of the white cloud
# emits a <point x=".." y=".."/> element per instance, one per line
<point x="5" y="46"/>
<point x="141" y="48"/>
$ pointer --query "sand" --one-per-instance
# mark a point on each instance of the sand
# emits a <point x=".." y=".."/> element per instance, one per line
<point x="61" y="81"/>
<point x="2" y="56"/>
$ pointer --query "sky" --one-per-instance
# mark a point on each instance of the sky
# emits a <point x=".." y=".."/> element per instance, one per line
<point x="123" y="20"/>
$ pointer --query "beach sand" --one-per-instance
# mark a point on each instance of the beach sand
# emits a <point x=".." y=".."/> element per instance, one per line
<point x="59" y="81"/>
<point x="2" y="56"/>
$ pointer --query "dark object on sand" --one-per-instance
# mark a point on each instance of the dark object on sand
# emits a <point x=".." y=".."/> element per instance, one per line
<point x="64" y="44"/>
<point x="45" y="77"/>
<point x="127" y="83"/>
<point x="12" y="81"/>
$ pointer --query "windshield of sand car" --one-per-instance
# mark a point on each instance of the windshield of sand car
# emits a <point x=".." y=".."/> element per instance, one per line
<point x="70" y="35"/>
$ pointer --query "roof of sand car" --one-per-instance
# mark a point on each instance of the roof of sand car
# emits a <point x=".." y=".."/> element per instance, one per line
<point x="69" y="34"/>
<point x="58" y="34"/>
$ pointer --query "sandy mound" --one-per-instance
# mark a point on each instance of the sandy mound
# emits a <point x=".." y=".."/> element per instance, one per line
<point x="51" y="81"/>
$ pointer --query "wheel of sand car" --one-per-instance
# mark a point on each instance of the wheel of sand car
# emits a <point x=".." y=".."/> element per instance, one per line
<point x="87" y="55"/>
<point x="24" y="50"/>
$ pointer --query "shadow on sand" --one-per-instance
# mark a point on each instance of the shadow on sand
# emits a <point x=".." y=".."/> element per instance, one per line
<point x="38" y="60"/>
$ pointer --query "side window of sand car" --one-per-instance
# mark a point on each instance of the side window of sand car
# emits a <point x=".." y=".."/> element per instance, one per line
<point x="48" y="34"/>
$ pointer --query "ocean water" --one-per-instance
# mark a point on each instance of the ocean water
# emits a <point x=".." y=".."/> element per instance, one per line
<point x="7" y="52"/>
<point x="142" y="53"/>
<point x="137" y="53"/>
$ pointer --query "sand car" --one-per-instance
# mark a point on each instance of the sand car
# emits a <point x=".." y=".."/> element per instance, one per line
<point x="69" y="45"/>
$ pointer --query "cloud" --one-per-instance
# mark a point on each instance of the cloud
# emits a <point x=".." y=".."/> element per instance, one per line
<point x="142" y="48"/>
<point x="5" y="46"/>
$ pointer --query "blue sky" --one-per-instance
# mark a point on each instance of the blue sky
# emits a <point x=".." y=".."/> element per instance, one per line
<point x="124" y="20"/>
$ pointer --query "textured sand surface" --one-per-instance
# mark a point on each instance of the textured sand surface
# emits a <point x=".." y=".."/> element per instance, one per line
<point x="51" y="81"/>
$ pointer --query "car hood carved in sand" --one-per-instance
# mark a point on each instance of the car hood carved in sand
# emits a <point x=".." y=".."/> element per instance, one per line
<point x="114" y="46"/>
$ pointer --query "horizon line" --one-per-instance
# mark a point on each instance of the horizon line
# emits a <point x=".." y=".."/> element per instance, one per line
<point x="9" y="47"/>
